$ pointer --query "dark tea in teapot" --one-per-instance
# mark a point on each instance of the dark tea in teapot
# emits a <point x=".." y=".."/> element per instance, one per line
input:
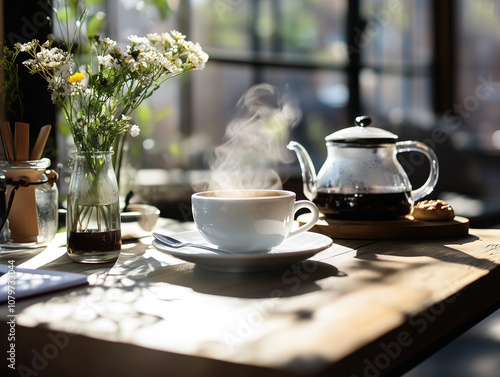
<point x="363" y="206"/>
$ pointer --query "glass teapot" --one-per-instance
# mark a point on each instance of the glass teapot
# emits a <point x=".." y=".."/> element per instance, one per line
<point x="361" y="178"/>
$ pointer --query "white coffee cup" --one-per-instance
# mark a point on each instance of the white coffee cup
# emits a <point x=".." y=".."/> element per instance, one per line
<point x="249" y="220"/>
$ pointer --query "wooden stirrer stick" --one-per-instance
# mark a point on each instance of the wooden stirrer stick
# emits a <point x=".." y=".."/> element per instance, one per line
<point x="41" y="139"/>
<point x="8" y="144"/>
<point x="22" y="141"/>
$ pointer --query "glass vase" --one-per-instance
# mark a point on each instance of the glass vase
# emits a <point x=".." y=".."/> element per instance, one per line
<point x="93" y="210"/>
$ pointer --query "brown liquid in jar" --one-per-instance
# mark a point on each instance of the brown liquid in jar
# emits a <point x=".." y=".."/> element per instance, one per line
<point x="90" y="241"/>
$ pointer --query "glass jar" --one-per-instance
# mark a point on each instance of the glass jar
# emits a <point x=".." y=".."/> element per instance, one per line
<point x="29" y="202"/>
<point x="93" y="217"/>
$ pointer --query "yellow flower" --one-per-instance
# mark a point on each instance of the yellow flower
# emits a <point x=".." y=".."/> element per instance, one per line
<point x="77" y="77"/>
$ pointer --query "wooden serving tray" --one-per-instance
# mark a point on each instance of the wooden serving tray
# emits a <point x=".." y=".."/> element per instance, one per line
<point x="406" y="228"/>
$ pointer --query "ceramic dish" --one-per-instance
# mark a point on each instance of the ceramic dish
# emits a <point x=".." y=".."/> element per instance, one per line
<point x="293" y="250"/>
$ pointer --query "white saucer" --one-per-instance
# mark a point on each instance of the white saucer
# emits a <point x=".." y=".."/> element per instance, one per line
<point x="293" y="250"/>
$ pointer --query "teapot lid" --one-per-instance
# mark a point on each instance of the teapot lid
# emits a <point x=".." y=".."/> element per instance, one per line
<point x="362" y="134"/>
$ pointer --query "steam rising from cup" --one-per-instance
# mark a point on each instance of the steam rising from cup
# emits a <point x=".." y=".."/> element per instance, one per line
<point x="255" y="141"/>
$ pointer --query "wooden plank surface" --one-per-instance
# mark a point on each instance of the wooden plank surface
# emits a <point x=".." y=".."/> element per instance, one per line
<point x="340" y="313"/>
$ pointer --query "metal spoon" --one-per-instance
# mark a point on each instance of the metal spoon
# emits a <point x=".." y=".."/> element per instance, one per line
<point x="172" y="242"/>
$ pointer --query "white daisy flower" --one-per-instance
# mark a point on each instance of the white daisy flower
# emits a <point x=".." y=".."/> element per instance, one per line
<point x="138" y="40"/>
<point x="154" y="38"/>
<point x="168" y="39"/>
<point x="107" y="42"/>
<point x="177" y="35"/>
<point x="107" y="61"/>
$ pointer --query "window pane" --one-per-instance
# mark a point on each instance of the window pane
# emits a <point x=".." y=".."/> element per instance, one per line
<point x="478" y="58"/>
<point x="396" y="32"/>
<point x="216" y="91"/>
<point x="291" y="30"/>
<point x="322" y="97"/>
<point x="222" y="25"/>
<point x="125" y="17"/>
<point x="313" y="28"/>
<point x="398" y="98"/>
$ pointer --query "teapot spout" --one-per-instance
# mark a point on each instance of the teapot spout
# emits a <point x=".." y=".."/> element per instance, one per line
<point x="307" y="167"/>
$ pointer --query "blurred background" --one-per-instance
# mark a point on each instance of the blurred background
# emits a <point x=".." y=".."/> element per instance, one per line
<point x="425" y="70"/>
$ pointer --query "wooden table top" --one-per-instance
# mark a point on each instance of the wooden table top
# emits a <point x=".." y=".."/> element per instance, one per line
<point x="359" y="308"/>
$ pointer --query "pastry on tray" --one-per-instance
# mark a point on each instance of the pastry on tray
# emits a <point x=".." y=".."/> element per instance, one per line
<point x="433" y="210"/>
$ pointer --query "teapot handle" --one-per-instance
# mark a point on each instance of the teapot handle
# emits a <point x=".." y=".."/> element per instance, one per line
<point x="428" y="186"/>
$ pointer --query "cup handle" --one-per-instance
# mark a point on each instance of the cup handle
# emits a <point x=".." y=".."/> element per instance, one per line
<point x="428" y="186"/>
<point x="314" y="217"/>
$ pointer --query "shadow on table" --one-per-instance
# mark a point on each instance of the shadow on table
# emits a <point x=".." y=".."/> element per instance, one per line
<point x="443" y="250"/>
<point x="297" y="279"/>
